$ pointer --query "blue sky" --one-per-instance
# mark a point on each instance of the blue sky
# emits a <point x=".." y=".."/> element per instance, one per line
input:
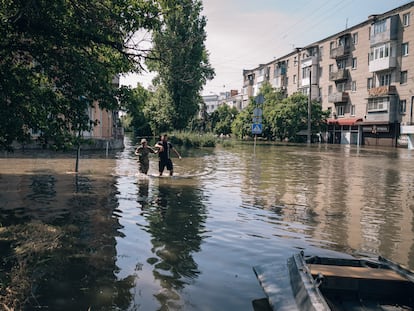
<point x="241" y="34"/>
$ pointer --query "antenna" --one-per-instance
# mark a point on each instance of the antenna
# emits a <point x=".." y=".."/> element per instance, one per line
<point x="346" y="23"/>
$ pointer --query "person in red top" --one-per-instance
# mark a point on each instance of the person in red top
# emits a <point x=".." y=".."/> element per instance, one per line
<point x="164" y="153"/>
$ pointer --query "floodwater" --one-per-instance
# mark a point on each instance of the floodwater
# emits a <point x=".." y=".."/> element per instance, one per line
<point x="109" y="238"/>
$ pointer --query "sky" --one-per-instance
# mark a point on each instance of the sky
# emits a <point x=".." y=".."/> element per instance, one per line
<point x="241" y="34"/>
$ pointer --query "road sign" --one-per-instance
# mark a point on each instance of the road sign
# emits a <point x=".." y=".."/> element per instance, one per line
<point x="257" y="112"/>
<point x="256" y="128"/>
<point x="257" y="119"/>
<point x="259" y="99"/>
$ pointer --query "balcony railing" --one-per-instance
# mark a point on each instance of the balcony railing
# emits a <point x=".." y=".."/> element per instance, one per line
<point x="382" y="91"/>
<point x="339" y="97"/>
<point x="340" y="75"/>
<point x="340" y="51"/>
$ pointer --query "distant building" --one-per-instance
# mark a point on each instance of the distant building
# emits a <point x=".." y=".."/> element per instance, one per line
<point x="211" y="102"/>
<point x="362" y="75"/>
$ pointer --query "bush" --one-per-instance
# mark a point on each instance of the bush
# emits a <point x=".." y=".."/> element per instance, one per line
<point x="190" y="139"/>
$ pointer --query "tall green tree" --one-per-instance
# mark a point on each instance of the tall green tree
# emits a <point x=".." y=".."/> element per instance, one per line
<point x="222" y="118"/>
<point x="134" y="102"/>
<point x="58" y="57"/>
<point x="158" y="111"/>
<point x="291" y="116"/>
<point x="180" y="58"/>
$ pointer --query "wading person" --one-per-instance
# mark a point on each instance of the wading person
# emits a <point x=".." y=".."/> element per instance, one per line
<point x="164" y="153"/>
<point x="143" y="152"/>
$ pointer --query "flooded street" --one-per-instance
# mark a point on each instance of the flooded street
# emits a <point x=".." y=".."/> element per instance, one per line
<point x="110" y="238"/>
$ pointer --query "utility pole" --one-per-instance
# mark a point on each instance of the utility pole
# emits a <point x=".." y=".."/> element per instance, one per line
<point x="309" y="106"/>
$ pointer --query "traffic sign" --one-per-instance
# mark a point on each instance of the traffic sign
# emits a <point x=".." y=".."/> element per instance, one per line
<point x="259" y="99"/>
<point x="257" y="112"/>
<point x="256" y="128"/>
<point x="257" y="119"/>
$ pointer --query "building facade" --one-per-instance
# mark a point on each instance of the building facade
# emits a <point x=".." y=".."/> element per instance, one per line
<point x="362" y="75"/>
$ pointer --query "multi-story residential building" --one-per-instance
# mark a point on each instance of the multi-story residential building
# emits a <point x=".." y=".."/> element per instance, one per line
<point x="211" y="102"/>
<point x="362" y="75"/>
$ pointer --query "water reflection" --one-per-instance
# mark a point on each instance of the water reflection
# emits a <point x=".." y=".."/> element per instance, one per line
<point x="176" y="224"/>
<point x="57" y="241"/>
<point x="111" y="239"/>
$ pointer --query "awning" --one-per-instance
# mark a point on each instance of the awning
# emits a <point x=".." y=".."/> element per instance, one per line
<point x="344" y="121"/>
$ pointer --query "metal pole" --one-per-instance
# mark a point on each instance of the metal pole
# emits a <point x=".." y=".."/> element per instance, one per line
<point x="254" y="145"/>
<point x="309" y="107"/>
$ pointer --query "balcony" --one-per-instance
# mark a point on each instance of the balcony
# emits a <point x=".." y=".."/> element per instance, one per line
<point x="384" y="63"/>
<point x="382" y="91"/>
<point x="339" y="97"/>
<point x="309" y="61"/>
<point x="340" y="75"/>
<point x="340" y="51"/>
<point x="384" y="31"/>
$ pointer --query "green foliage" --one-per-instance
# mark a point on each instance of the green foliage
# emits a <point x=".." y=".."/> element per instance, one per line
<point x="159" y="111"/>
<point x="222" y="118"/>
<point x="180" y="58"/>
<point x="191" y="139"/>
<point x="134" y="102"/>
<point x="242" y="125"/>
<point x="58" y="57"/>
<point x="283" y="118"/>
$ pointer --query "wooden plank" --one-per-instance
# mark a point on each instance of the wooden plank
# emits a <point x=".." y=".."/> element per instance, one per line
<point x="356" y="272"/>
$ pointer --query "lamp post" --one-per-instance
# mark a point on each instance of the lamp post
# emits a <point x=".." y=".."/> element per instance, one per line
<point x="309" y="107"/>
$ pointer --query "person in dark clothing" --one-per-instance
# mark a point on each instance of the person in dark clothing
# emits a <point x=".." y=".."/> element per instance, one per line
<point x="164" y="152"/>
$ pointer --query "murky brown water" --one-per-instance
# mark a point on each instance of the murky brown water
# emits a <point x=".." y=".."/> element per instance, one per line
<point x="111" y="239"/>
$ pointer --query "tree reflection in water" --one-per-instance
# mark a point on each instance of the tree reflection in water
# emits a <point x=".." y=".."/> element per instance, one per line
<point x="176" y="223"/>
<point x="58" y="232"/>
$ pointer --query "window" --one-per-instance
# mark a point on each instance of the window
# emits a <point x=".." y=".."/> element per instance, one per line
<point x="385" y="79"/>
<point x="406" y="19"/>
<point x="332" y="45"/>
<point x="320" y="52"/>
<point x="340" y="110"/>
<point x="330" y="68"/>
<point x="403" y="106"/>
<point x="295" y="61"/>
<point x="330" y="90"/>
<point x="352" y="110"/>
<point x="287" y="81"/>
<point x="404" y="49"/>
<point x="403" y="77"/>
<point x="354" y="63"/>
<point x="353" y="86"/>
<point x="370" y="83"/>
<point x="340" y="87"/>
<point x="341" y="64"/>
<point x="355" y="38"/>
<point x="294" y="78"/>
<point x="380" y="27"/>
<point x="378" y="104"/>
<point x="305" y="72"/>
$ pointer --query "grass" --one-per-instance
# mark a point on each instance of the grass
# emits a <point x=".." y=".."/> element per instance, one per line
<point x="192" y="139"/>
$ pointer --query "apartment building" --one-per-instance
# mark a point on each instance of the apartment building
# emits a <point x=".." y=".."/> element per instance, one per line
<point x="362" y="75"/>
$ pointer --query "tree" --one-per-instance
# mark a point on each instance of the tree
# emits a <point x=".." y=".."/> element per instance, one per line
<point x="180" y="58"/>
<point x="242" y="125"/>
<point x="58" y="57"/>
<point x="159" y="110"/>
<point x="222" y="118"/>
<point x="134" y="102"/>
<point x="291" y="115"/>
